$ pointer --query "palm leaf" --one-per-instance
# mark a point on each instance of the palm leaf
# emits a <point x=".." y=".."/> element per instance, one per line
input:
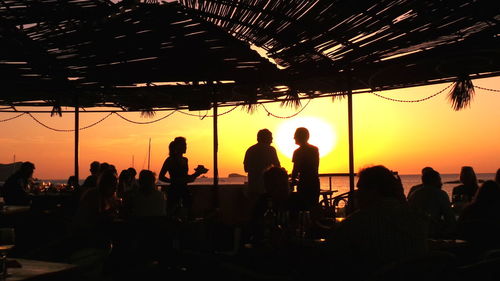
<point x="148" y="113"/>
<point x="56" y="110"/>
<point x="250" y="107"/>
<point x="337" y="96"/>
<point x="462" y="93"/>
<point x="292" y="99"/>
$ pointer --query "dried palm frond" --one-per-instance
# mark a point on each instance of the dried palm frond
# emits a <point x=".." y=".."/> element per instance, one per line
<point x="56" y="110"/>
<point x="462" y="93"/>
<point x="148" y="113"/>
<point x="337" y="96"/>
<point x="250" y="107"/>
<point x="292" y="99"/>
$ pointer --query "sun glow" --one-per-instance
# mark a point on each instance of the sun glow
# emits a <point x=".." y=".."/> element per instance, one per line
<point x="321" y="134"/>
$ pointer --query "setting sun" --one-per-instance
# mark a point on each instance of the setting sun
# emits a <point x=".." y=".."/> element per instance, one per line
<point x="321" y="133"/>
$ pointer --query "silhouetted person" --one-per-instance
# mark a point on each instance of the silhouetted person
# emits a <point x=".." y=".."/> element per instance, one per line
<point x="276" y="197"/>
<point x="97" y="208"/>
<point x="176" y="165"/>
<point x="91" y="180"/>
<point x="305" y="170"/>
<point x="133" y="180"/>
<point x="15" y="188"/>
<point x="258" y="158"/>
<point x="72" y="182"/>
<point x="464" y="193"/>
<point x="479" y="222"/>
<point x="103" y="167"/>
<point x="497" y="176"/>
<point x="91" y="229"/>
<point x="123" y="183"/>
<point x="415" y="187"/>
<point x="146" y="201"/>
<point x="434" y="204"/>
<point x="381" y="231"/>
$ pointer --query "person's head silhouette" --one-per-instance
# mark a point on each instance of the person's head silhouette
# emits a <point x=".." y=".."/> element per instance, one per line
<point x="265" y="136"/>
<point x="147" y="180"/>
<point x="301" y="136"/>
<point x="377" y="182"/>
<point x="26" y="170"/>
<point x="107" y="183"/>
<point x="488" y="194"/>
<point x="179" y="145"/>
<point x="94" y="167"/>
<point x="132" y="173"/>
<point x="432" y="178"/>
<point x="468" y="176"/>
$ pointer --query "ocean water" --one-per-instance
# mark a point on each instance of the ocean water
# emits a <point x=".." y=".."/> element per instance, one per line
<point x="341" y="184"/>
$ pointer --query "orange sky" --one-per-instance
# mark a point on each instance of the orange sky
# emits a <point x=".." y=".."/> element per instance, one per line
<point x="403" y="136"/>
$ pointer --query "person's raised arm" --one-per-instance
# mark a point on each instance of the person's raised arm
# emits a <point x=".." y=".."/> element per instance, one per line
<point x="198" y="171"/>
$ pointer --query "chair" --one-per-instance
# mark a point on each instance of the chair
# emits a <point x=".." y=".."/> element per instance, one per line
<point x="435" y="266"/>
<point x="487" y="269"/>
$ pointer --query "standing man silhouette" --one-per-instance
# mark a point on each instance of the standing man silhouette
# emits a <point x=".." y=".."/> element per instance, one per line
<point x="305" y="170"/>
<point x="258" y="158"/>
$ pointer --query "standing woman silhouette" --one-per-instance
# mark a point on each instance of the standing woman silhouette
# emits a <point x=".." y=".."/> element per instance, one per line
<point x="176" y="165"/>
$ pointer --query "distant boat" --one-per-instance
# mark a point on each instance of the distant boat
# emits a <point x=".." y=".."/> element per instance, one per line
<point x="235" y="175"/>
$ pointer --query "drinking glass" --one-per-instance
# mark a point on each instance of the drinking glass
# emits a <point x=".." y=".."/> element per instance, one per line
<point x="7" y="242"/>
<point x="340" y="212"/>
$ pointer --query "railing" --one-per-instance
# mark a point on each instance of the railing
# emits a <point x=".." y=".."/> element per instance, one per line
<point x="330" y="202"/>
<point x="332" y="175"/>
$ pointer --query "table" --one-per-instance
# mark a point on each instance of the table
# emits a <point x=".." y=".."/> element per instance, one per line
<point x="14" y="209"/>
<point x="39" y="270"/>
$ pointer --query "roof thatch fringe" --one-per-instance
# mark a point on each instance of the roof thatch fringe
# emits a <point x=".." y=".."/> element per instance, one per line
<point x="56" y="110"/>
<point x="148" y="113"/>
<point x="292" y="99"/>
<point x="337" y="96"/>
<point x="462" y="93"/>
<point x="250" y="107"/>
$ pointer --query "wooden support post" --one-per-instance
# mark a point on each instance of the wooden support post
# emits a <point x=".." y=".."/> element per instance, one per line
<point x="77" y="139"/>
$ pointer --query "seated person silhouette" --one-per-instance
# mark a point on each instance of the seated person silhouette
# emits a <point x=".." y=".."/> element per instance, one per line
<point x="91" y="180"/>
<point x="97" y="209"/>
<point x="276" y="199"/>
<point x="415" y="187"/>
<point x="146" y="201"/>
<point x="382" y="230"/>
<point x="16" y="188"/>
<point x="432" y="202"/>
<point x="464" y="193"/>
<point x="479" y="222"/>
<point x="123" y="184"/>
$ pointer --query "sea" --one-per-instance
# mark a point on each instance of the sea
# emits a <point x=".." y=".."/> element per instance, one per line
<point x="341" y="184"/>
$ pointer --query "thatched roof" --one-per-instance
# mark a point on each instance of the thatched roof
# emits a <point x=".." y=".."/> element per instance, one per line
<point x="175" y="55"/>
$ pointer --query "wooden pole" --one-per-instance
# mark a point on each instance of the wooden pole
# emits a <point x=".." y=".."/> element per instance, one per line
<point x="216" y="147"/>
<point x="77" y="138"/>
<point x="351" y="149"/>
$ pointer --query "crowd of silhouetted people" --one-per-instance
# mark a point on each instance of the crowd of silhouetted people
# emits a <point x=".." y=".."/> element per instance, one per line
<point x="384" y="227"/>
